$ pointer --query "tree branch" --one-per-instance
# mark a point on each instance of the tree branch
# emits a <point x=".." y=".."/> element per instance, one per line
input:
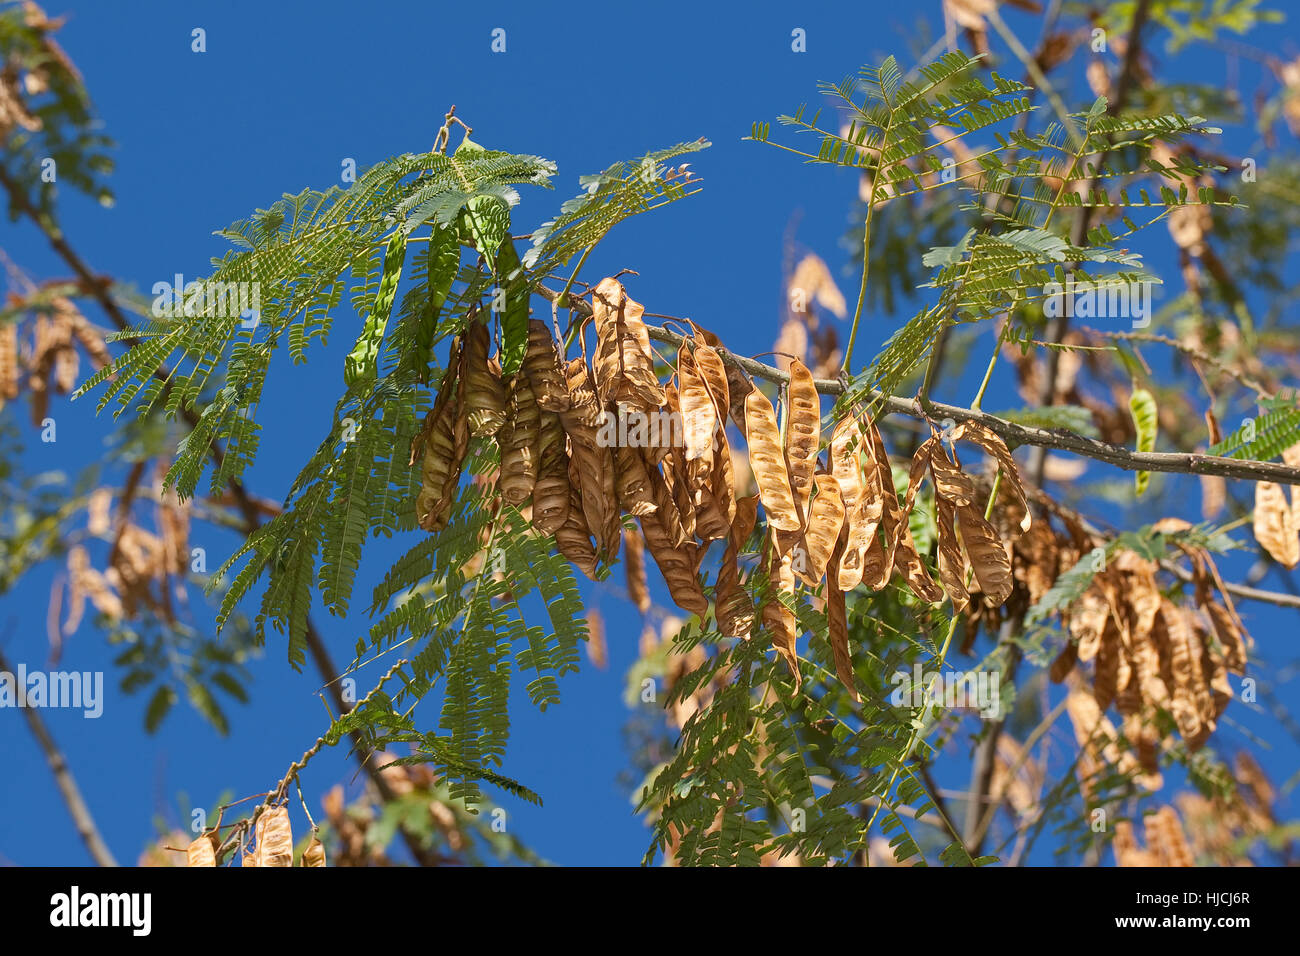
<point x="1060" y="439"/>
<point x="67" y="784"/>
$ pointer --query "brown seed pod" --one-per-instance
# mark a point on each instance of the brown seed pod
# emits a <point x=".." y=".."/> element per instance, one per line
<point x="779" y="620"/>
<point x="837" y="620"/>
<point x="597" y="648"/>
<point x="441" y="449"/>
<point x="485" y="394"/>
<point x="1275" y="524"/>
<point x="635" y="495"/>
<point x="952" y="562"/>
<point x="949" y="480"/>
<point x="768" y="463"/>
<point x="1216" y="678"/>
<point x="584" y="409"/>
<point x="878" y="562"/>
<point x="444" y="456"/>
<point x="699" y="416"/>
<point x="1230" y="634"/>
<point x="551" y="493"/>
<point x="1105" y="680"/>
<point x="1087" y="621"/>
<point x="662" y="433"/>
<point x="314" y="855"/>
<point x="274" y="838"/>
<point x="634" y="566"/>
<point x="519" y="443"/>
<point x="678" y="507"/>
<point x="545" y="373"/>
<point x="861" y="495"/>
<point x="8" y="362"/>
<point x="1064" y="662"/>
<point x="710" y="520"/>
<point x="202" y="852"/>
<point x="677" y="565"/>
<point x="573" y="539"/>
<point x="714" y="372"/>
<point x="738" y="384"/>
<point x="623" y="361"/>
<point x="908" y="563"/>
<point x="802" y="434"/>
<point x="825" y="520"/>
<point x="919" y="468"/>
<point x="594" y="475"/>
<point x="987" y="555"/>
<point x="1181" y="667"/>
<point x="724" y="479"/>
<point x="993" y="445"/>
<point x="735" y="611"/>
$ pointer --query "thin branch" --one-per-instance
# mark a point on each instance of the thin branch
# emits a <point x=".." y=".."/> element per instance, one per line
<point x="1191" y="352"/>
<point x="1239" y="590"/>
<point x="281" y="791"/>
<point x="1013" y="433"/>
<point x="67" y="784"/>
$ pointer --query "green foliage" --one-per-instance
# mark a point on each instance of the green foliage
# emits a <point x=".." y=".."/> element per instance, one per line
<point x="609" y="197"/>
<point x="1266" y="437"/>
<point x="895" y="131"/>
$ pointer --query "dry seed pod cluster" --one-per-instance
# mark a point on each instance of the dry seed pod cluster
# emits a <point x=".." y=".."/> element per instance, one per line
<point x="272" y="846"/>
<point x="1166" y="842"/>
<point x="1131" y="646"/>
<point x="583" y="445"/>
<point x="145" y="570"/>
<point x="844" y="521"/>
<point x="1150" y="654"/>
<point x="50" y="358"/>
<point x="1219" y="826"/>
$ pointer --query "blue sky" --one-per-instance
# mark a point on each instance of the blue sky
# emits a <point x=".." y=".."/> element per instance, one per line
<point x="283" y="95"/>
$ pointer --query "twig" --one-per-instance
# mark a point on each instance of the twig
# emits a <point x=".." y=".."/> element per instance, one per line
<point x="281" y="790"/>
<point x="67" y="784"/>
<point x="1191" y="352"/>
